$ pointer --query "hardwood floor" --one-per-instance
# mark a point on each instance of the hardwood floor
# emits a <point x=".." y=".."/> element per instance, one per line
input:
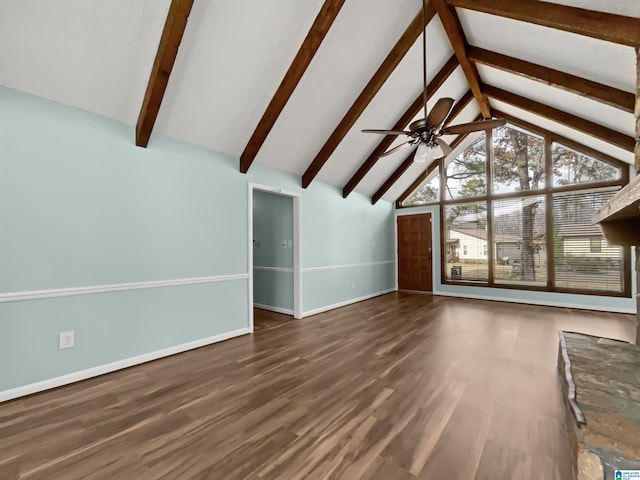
<point x="398" y="387"/>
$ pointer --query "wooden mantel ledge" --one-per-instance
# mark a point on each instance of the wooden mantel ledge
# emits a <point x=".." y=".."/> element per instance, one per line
<point x="620" y="217"/>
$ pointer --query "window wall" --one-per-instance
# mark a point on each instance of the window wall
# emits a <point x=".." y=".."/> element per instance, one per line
<point x="516" y="209"/>
<point x="429" y="191"/>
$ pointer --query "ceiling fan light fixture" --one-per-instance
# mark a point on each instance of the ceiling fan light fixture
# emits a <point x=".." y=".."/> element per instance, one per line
<point x="427" y="153"/>
<point x="421" y="153"/>
<point x="434" y="152"/>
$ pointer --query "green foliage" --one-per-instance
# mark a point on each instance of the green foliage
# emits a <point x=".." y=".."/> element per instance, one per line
<point x="468" y="215"/>
<point x="519" y="157"/>
<point x="466" y="174"/>
<point x="473" y="187"/>
<point x="428" y="193"/>
<point x="571" y="167"/>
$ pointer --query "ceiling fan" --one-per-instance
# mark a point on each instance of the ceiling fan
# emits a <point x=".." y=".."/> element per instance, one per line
<point x="425" y="133"/>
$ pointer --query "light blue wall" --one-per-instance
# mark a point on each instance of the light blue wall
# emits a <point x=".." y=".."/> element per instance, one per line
<point x="112" y="326"/>
<point x="81" y="206"/>
<point x="338" y="232"/>
<point x="353" y="235"/>
<point x="545" y="298"/>
<point x="340" y="285"/>
<point x="273" y="289"/>
<point x="272" y="225"/>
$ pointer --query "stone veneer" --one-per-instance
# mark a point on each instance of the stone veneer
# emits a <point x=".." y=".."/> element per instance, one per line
<point x="638" y="294"/>
<point x="601" y="393"/>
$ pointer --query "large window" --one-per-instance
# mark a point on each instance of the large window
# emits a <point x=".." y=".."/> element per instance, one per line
<point x="518" y="161"/>
<point x="516" y="211"/>
<point x="573" y="168"/>
<point x="466" y="175"/>
<point x="519" y="241"/>
<point x="582" y="257"/>
<point x="466" y="242"/>
<point x="428" y="192"/>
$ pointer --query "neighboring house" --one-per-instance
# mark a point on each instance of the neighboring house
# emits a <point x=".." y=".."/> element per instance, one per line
<point x="585" y="240"/>
<point x="471" y="244"/>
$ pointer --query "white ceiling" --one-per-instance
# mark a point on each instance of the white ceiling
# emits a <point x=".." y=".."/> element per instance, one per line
<point x="97" y="56"/>
<point x="586" y="57"/>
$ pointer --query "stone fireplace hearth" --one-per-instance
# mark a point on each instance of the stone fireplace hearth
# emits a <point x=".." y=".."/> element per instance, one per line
<point x="601" y="393"/>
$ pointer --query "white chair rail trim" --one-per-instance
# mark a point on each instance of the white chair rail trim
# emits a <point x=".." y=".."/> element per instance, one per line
<point x="117" y="287"/>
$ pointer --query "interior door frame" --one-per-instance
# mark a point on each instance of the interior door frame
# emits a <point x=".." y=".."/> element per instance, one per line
<point x="297" y="246"/>
<point x="406" y="212"/>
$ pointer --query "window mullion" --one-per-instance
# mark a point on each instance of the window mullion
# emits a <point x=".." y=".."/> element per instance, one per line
<point x="548" y="163"/>
<point x="489" y="173"/>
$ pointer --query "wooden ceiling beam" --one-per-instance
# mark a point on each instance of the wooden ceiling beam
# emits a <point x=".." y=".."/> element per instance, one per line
<point x="397" y="174"/>
<point x="590" y="23"/>
<point x="453" y="28"/>
<point x="174" y="27"/>
<point x="586" y="126"/>
<point x="307" y="51"/>
<point x="397" y="53"/>
<point x="401" y="124"/>
<point x="572" y="83"/>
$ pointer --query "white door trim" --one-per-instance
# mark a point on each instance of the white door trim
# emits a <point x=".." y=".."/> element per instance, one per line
<point x="297" y="246"/>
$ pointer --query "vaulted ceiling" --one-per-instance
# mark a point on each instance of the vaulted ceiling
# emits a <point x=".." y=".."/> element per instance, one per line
<point x="290" y="84"/>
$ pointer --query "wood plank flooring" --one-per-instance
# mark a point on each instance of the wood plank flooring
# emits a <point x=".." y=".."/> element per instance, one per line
<point x="400" y="387"/>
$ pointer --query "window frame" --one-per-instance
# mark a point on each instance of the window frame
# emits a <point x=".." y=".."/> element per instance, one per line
<point x="432" y="171"/>
<point x="549" y="189"/>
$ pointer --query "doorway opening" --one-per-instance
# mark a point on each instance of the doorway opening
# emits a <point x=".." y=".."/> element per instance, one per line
<point x="415" y="252"/>
<point x="274" y="251"/>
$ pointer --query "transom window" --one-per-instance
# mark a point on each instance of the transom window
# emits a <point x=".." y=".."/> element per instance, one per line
<point x="428" y="192"/>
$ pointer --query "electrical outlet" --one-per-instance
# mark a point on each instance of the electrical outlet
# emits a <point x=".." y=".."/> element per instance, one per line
<point x="67" y="340"/>
<point x="289" y="243"/>
<point x="353" y="285"/>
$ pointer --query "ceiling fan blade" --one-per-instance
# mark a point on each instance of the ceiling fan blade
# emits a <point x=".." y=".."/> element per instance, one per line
<point x="473" y="126"/>
<point x="440" y="111"/>
<point x="446" y="149"/>
<point x="402" y="146"/>
<point x="386" y="132"/>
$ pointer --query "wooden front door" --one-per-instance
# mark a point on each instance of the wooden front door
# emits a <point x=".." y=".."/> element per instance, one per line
<point x="415" y="252"/>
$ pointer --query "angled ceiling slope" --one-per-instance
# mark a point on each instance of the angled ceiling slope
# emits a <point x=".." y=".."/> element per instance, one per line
<point x="316" y="73"/>
<point x="612" y="127"/>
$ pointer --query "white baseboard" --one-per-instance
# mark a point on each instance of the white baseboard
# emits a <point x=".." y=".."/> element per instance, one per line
<point x="345" y="303"/>
<point x="114" y="366"/>
<point x="538" y="302"/>
<point x="286" y="311"/>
